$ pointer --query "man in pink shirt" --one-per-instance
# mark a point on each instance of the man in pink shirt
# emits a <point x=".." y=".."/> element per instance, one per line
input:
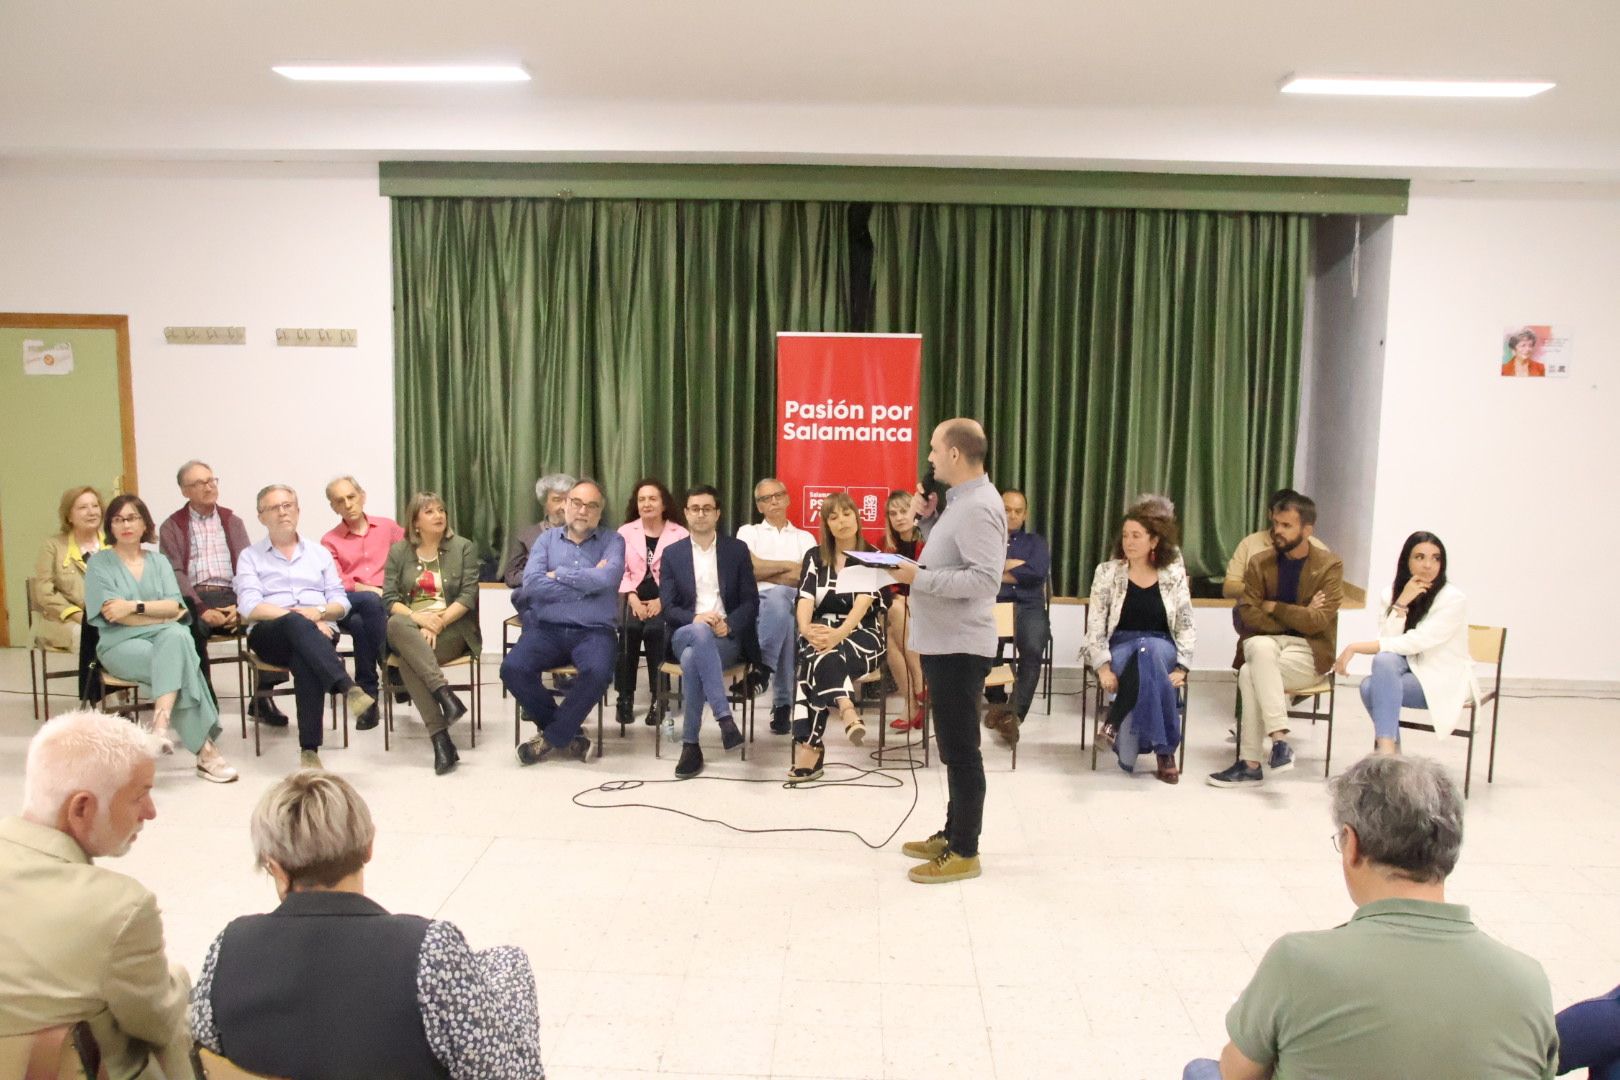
<point x="359" y="545"/>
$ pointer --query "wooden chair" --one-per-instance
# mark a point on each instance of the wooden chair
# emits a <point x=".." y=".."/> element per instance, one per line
<point x="66" y="1052"/>
<point x="1000" y="675"/>
<point x="1101" y="716"/>
<point x="670" y="698"/>
<point x="257" y="668"/>
<point x="127" y="691"/>
<point x="1325" y="685"/>
<point x="40" y="673"/>
<point x="212" y="1066"/>
<point x="508" y="639"/>
<point x="1486" y="645"/>
<point x="570" y="672"/>
<point x="474" y="687"/>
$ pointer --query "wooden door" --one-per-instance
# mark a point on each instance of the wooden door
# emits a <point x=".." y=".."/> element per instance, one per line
<point x="59" y="430"/>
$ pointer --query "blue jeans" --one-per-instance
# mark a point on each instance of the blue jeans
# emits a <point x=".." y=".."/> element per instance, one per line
<point x="704" y="659"/>
<point x="778" y="636"/>
<point x="367" y="623"/>
<point x="1389" y="688"/>
<point x="1202" y="1069"/>
<point x="543" y="646"/>
<point x="1155" y="723"/>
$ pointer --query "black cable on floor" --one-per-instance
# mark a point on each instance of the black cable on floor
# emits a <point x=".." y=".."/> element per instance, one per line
<point x="883" y="776"/>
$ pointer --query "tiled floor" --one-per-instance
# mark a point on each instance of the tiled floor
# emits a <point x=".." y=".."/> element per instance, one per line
<point x="1116" y="919"/>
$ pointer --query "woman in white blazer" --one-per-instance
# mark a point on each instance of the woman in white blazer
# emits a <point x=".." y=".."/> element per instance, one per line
<point x="1140" y="636"/>
<point x="1420" y="657"/>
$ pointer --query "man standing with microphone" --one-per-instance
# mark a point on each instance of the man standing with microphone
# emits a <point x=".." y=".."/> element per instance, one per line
<point x="953" y="626"/>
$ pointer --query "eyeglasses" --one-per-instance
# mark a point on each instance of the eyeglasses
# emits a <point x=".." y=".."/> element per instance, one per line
<point x="128" y="519"/>
<point x="771" y="497"/>
<point x="706" y="509"/>
<point x="279" y="508"/>
<point x="211" y="482"/>
<point x="575" y="504"/>
<point x="1338" y="842"/>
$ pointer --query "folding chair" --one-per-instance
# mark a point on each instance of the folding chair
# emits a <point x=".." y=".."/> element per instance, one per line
<point x="474" y="687"/>
<point x="257" y="668"/>
<point x="1486" y="645"/>
<point x="1101" y="718"/>
<point x="40" y="673"/>
<point x="566" y="671"/>
<point x="737" y="693"/>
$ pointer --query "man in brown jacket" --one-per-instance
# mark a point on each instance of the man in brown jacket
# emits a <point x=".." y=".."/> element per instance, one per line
<point x="80" y="942"/>
<point x="1288" y="621"/>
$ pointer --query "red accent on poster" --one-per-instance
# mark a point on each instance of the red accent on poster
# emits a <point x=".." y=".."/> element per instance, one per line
<point x="847" y="413"/>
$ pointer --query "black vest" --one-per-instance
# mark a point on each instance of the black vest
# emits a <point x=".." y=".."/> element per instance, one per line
<point x="323" y="988"/>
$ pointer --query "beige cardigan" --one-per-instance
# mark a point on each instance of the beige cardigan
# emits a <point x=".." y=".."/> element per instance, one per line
<point x="58" y="590"/>
<point x="1108" y="588"/>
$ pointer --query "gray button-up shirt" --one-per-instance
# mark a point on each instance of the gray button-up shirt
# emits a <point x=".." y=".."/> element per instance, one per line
<point x="953" y="600"/>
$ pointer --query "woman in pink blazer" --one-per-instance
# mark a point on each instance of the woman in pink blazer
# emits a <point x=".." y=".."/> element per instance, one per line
<point x="652" y="522"/>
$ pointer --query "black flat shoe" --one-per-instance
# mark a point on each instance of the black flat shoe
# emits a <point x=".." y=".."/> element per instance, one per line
<point x="366" y="720"/>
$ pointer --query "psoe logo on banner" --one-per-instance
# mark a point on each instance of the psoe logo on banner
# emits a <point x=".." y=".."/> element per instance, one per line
<point x="814" y="496"/>
<point x="869" y="505"/>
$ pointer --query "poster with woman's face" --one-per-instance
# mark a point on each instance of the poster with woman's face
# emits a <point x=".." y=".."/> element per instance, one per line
<point x="1534" y="352"/>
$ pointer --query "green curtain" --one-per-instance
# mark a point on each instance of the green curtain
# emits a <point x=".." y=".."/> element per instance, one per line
<point x="610" y="338"/>
<point x="1108" y="353"/>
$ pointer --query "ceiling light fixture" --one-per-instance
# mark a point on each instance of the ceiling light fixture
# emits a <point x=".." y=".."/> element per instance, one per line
<point x="1365" y="86"/>
<point x="430" y="73"/>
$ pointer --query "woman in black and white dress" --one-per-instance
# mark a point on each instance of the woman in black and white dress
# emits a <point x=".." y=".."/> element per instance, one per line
<point x="840" y="639"/>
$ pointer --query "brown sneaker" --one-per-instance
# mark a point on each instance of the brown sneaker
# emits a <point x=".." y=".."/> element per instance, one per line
<point x="931" y="848"/>
<point x="947" y="867"/>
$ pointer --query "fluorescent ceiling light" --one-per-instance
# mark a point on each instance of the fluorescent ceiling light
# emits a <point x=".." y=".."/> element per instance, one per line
<point x="433" y="73"/>
<point x="1362" y="86"/>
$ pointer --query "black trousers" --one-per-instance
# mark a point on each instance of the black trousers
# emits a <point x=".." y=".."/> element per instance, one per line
<point x="955" y="687"/>
<point x="294" y="642"/>
<point x="648" y="636"/>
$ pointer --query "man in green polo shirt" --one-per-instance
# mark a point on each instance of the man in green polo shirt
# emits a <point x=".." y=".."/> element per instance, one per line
<point x="1409" y="987"/>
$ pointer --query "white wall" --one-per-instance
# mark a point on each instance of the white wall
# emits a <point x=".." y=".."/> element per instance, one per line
<point x="1511" y="474"/>
<point x="260" y="246"/>
<point x="1515" y="475"/>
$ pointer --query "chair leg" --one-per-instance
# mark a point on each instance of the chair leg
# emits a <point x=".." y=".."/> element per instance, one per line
<point x="477" y="701"/>
<point x="1327" y="762"/>
<point x="1490" y="769"/>
<point x="253" y="696"/>
<point x="385" y="688"/>
<point x="33" y="684"/>
<point x="1468" y="768"/>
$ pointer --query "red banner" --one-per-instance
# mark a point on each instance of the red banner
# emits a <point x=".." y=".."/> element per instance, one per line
<point x="847" y="413"/>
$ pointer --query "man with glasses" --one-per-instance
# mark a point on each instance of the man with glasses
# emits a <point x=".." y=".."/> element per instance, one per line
<point x="552" y="492"/>
<point x="359" y="544"/>
<point x="288" y="590"/>
<point x="777" y="547"/>
<point x="203" y="541"/>
<point x="569" y="604"/>
<point x="710" y="602"/>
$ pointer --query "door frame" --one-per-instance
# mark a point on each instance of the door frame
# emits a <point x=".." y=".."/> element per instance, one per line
<point x="128" y="480"/>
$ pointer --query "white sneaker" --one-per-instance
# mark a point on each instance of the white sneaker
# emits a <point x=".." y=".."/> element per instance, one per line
<point x="216" y="771"/>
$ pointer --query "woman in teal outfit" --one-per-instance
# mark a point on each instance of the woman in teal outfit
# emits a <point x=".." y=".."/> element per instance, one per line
<point x="133" y="599"/>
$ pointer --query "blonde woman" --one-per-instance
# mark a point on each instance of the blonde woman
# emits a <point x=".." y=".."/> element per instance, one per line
<point x="430" y="591"/>
<point x="332" y="984"/>
<point x="59" y="570"/>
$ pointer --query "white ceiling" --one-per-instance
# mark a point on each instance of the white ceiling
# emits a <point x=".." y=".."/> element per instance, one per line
<point x="1161" y="84"/>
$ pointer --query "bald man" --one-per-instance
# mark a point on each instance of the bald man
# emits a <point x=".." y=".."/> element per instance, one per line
<point x="953" y="626"/>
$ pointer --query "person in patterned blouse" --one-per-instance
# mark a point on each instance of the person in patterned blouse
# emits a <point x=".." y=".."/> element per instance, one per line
<point x="330" y="985"/>
<point x="840" y="639"/>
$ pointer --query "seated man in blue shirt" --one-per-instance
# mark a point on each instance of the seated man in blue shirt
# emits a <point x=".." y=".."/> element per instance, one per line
<point x="1023" y="584"/>
<point x="289" y="590"/>
<point x="569" y="604"/>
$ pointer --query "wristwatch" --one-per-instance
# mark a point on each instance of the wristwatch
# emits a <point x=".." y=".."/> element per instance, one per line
<point x="140" y="607"/>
